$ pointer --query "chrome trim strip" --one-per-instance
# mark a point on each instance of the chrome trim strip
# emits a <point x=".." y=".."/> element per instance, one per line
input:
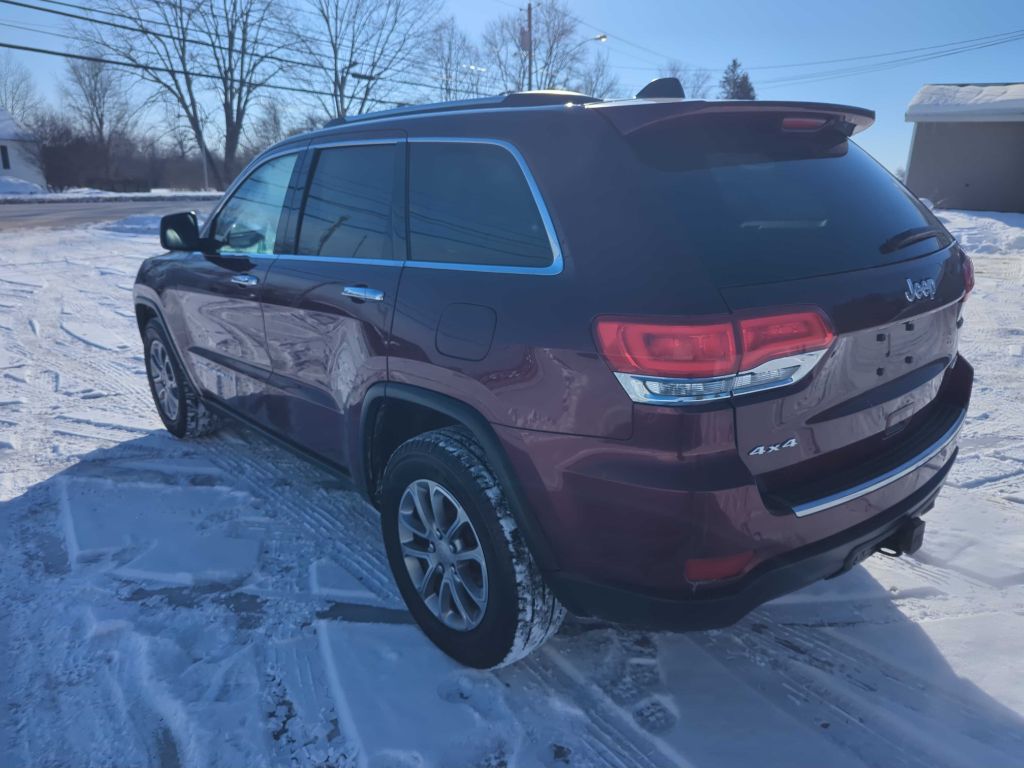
<point x="869" y="486"/>
<point x="636" y="384"/>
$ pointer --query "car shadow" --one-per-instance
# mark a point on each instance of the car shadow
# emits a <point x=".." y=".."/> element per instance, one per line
<point x="837" y="674"/>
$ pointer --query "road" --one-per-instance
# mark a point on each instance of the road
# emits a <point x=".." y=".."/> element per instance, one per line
<point x="76" y="213"/>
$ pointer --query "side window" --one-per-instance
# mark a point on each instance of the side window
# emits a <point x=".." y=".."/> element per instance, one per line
<point x="5" y="159"/>
<point x="249" y="221"/>
<point x="347" y="213"/>
<point x="470" y="204"/>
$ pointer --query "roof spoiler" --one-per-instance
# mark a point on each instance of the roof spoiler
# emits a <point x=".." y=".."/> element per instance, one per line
<point x="630" y="117"/>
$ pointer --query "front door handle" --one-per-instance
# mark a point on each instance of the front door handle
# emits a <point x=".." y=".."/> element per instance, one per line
<point x="362" y="293"/>
<point x="249" y="280"/>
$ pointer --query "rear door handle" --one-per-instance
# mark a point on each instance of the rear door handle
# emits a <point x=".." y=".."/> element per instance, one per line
<point x="245" y="280"/>
<point x="362" y="293"/>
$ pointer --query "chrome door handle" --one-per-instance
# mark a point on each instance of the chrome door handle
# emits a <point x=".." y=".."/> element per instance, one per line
<point x="245" y="280"/>
<point x="362" y="293"/>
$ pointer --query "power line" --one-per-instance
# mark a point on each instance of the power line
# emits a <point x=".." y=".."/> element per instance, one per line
<point x="814" y="77"/>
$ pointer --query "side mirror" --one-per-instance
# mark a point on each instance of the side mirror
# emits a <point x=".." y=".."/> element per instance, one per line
<point x="180" y="232"/>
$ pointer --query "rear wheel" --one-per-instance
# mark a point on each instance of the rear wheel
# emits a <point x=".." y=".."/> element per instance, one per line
<point x="181" y="409"/>
<point x="458" y="557"/>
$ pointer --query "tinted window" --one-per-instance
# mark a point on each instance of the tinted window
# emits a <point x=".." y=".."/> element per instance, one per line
<point x="759" y="205"/>
<point x="249" y="221"/>
<point x="470" y="204"/>
<point x="348" y="206"/>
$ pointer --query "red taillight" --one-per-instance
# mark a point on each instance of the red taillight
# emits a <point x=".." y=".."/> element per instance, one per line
<point x="716" y="568"/>
<point x="968" y="275"/>
<point x="773" y="336"/>
<point x="705" y="350"/>
<point x="668" y="349"/>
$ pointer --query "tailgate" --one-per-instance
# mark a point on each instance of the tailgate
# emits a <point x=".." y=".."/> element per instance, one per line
<point x="883" y="371"/>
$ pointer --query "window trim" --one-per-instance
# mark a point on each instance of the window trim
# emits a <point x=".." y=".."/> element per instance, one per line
<point x="244" y="176"/>
<point x="557" y="262"/>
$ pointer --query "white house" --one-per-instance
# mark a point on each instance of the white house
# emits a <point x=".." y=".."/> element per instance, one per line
<point x="968" y="146"/>
<point x="18" y="152"/>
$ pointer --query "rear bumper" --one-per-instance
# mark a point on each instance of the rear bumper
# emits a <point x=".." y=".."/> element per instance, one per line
<point x="725" y="605"/>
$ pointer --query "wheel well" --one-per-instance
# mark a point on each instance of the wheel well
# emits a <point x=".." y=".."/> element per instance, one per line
<point x="143" y="314"/>
<point x="394" y="422"/>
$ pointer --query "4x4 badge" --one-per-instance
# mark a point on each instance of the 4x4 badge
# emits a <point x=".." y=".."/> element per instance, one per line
<point x="761" y="450"/>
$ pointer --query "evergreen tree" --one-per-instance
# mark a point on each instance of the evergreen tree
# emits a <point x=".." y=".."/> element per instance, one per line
<point x="735" y="83"/>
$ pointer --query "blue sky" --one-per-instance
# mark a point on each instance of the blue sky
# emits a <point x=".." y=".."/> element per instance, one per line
<point x="708" y="33"/>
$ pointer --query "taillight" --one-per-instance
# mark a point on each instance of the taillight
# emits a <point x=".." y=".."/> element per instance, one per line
<point x="803" y="123"/>
<point x="774" y="336"/>
<point x="698" y="351"/>
<point x="669" y="362"/>
<point x="968" y="275"/>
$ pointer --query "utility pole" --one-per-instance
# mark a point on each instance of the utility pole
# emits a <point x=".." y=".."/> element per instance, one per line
<point x="529" y="46"/>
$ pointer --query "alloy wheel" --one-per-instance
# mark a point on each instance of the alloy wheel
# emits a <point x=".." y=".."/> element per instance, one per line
<point x="165" y="384"/>
<point x="442" y="554"/>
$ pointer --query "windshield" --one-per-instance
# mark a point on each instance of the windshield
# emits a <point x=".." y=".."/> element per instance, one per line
<point x="761" y="205"/>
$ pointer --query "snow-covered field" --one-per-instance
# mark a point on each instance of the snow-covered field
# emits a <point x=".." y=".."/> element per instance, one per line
<point x="220" y="602"/>
<point x="15" y="190"/>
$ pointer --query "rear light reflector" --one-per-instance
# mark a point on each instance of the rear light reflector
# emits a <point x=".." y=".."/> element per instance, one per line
<point x="668" y="349"/>
<point x="774" y="336"/>
<point x="717" y="568"/>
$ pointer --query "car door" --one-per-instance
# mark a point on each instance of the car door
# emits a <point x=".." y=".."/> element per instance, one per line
<point x="215" y="297"/>
<point x="328" y="305"/>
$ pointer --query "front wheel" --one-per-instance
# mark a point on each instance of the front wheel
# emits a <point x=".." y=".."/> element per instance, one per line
<point x="181" y="409"/>
<point x="457" y="555"/>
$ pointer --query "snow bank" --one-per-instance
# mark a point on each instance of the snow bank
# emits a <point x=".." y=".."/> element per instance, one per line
<point x="967" y="103"/>
<point x="12" y="185"/>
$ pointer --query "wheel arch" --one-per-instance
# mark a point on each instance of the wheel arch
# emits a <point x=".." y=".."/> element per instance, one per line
<point x="379" y="437"/>
<point x="146" y="310"/>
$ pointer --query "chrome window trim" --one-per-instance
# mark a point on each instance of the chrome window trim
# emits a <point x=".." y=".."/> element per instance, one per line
<point x="557" y="262"/>
<point x="636" y="384"/>
<point x="886" y="478"/>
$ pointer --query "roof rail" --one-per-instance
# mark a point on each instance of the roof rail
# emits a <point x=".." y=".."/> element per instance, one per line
<point x="510" y="100"/>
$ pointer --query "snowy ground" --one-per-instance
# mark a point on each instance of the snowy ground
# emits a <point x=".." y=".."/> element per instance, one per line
<point x="220" y="602"/>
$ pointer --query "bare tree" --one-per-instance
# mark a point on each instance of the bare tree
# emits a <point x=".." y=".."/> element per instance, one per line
<point x="597" y="78"/>
<point x="227" y="51"/>
<point x="696" y="81"/>
<point x="18" y="93"/>
<point x="96" y="96"/>
<point x="268" y="127"/>
<point x="557" y="48"/>
<point x="456" y="59"/>
<point x="358" y="49"/>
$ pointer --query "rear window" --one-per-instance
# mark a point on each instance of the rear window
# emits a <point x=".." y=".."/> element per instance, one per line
<point x="759" y="205"/>
<point x="469" y="203"/>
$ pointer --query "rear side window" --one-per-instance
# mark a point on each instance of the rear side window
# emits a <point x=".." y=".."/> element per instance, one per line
<point x="760" y="205"/>
<point x="348" y="205"/>
<point x="469" y="203"/>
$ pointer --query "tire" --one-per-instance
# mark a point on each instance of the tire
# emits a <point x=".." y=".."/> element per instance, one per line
<point x="180" y="407"/>
<point x="484" y="555"/>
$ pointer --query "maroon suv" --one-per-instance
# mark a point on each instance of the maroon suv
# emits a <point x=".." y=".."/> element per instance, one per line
<point x="655" y="360"/>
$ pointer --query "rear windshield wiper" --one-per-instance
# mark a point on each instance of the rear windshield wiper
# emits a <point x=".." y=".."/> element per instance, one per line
<point x="911" y="236"/>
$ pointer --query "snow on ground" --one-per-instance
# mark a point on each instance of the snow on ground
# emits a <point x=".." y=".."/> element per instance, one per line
<point x="220" y="602"/>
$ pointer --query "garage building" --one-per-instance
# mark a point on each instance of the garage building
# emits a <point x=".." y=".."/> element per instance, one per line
<point x="967" y="149"/>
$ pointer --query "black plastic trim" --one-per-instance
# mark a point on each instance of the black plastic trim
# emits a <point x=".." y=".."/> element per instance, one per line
<point x="484" y="434"/>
